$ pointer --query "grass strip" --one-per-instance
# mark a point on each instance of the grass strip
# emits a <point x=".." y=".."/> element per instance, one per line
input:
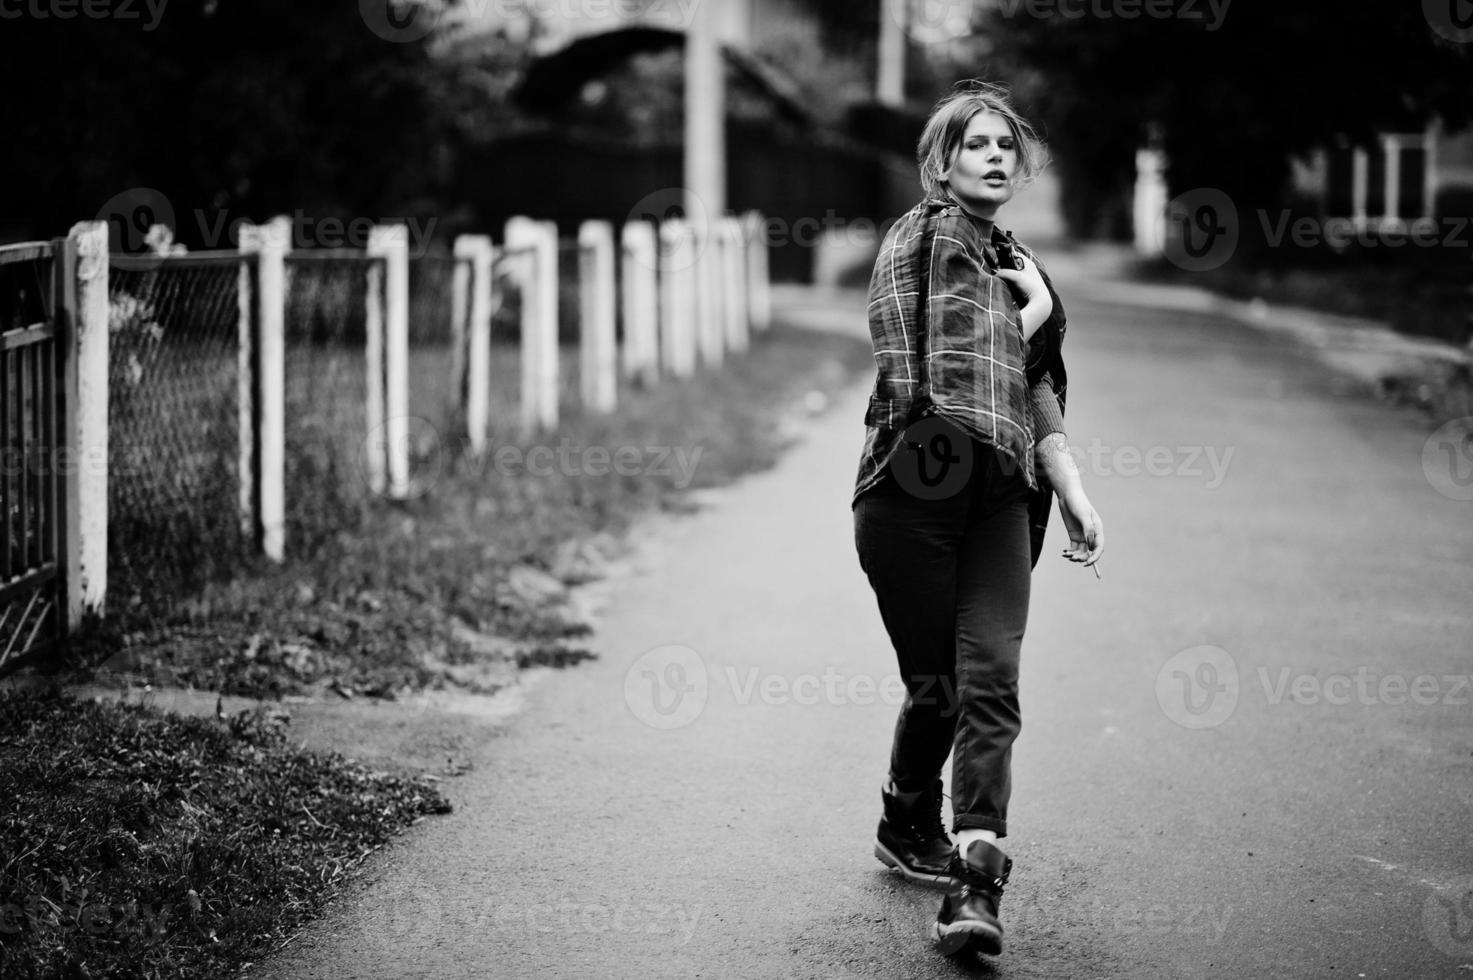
<point x="141" y="844"/>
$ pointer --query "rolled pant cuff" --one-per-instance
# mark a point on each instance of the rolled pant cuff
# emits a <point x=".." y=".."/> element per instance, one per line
<point x="969" y="822"/>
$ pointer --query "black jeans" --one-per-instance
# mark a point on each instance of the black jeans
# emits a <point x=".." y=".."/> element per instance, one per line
<point x="952" y="579"/>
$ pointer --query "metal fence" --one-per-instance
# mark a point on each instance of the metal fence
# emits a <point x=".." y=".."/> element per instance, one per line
<point x="30" y="504"/>
<point x="176" y="381"/>
<point x="253" y="403"/>
<point x="327" y="392"/>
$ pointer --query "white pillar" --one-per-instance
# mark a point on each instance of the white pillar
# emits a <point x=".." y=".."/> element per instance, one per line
<point x="705" y="115"/>
<point x="375" y="462"/>
<point x="677" y="343"/>
<point x="640" y="305"/>
<point x="269" y="243"/>
<point x="597" y="317"/>
<point x="534" y="265"/>
<point x="759" y="286"/>
<point x="709" y="301"/>
<point x="1391" y="148"/>
<point x="734" y="283"/>
<point x="1151" y="200"/>
<point x="391" y="242"/>
<point x="1430" y="173"/>
<point x="85" y="397"/>
<point x="1360" y="183"/>
<point x="477" y="342"/>
<point x="549" y="377"/>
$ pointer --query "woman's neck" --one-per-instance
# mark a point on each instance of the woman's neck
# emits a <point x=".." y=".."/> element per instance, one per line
<point x="985" y="222"/>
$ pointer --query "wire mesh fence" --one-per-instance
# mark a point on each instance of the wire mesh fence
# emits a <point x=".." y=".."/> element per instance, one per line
<point x="436" y="381"/>
<point x="327" y="390"/>
<point x="174" y="450"/>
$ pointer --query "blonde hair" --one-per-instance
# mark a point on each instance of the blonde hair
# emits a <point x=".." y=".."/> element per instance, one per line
<point x="941" y="140"/>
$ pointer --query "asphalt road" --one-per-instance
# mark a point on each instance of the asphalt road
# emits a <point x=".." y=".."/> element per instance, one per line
<point x="1247" y="750"/>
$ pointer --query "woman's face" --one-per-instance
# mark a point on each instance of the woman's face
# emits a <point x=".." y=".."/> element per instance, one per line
<point x="982" y="175"/>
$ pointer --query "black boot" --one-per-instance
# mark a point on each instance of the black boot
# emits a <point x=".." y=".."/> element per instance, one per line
<point x="911" y="837"/>
<point x="968" y="916"/>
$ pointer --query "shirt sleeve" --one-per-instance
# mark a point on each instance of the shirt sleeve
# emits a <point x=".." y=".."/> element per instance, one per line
<point x="1043" y="409"/>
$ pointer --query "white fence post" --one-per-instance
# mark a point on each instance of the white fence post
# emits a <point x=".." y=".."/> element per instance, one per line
<point x="269" y="243"/>
<point x="536" y="270"/>
<point x="86" y="420"/>
<point x="460" y="307"/>
<point x="391" y="242"/>
<point x="759" y="286"/>
<point x="549" y="379"/>
<point x="734" y="283"/>
<point x="677" y="339"/>
<point x="598" y="366"/>
<point x="373" y="359"/>
<point x="709" y="299"/>
<point x="476" y="348"/>
<point x="640" y="304"/>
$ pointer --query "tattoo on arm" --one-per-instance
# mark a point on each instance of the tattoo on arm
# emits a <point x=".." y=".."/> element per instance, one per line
<point x="1053" y="454"/>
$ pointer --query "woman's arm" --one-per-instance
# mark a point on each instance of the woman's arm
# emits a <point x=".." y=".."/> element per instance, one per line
<point x="1086" y="530"/>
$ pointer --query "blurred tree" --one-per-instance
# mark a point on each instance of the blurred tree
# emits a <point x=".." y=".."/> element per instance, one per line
<point x="1233" y="101"/>
<point x="241" y="107"/>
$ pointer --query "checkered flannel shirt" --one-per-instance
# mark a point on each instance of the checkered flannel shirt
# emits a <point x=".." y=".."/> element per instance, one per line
<point x="948" y="340"/>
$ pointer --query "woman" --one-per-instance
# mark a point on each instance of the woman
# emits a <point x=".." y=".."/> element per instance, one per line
<point x="949" y="511"/>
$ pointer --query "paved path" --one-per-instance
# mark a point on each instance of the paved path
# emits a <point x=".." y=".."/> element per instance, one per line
<point x="1271" y="537"/>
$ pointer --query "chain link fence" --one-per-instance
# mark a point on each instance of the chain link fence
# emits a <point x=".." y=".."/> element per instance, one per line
<point x="174" y="449"/>
<point x="327" y="389"/>
<point x="436" y="372"/>
<point x="180" y="399"/>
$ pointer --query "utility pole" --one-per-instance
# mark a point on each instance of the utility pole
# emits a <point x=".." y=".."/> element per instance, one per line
<point x="705" y="120"/>
<point x="890" y="86"/>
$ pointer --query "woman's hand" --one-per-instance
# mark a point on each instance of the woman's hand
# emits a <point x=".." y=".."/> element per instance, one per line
<point x="1032" y="294"/>
<point x="1086" y="530"/>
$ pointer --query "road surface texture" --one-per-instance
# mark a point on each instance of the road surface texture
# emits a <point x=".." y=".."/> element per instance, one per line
<point x="1247" y="750"/>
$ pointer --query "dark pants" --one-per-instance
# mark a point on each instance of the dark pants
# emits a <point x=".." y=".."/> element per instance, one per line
<point x="952" y="579"/>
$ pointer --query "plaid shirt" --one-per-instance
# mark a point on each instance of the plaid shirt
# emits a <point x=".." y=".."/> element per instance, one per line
<point x="948" y="340"/>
